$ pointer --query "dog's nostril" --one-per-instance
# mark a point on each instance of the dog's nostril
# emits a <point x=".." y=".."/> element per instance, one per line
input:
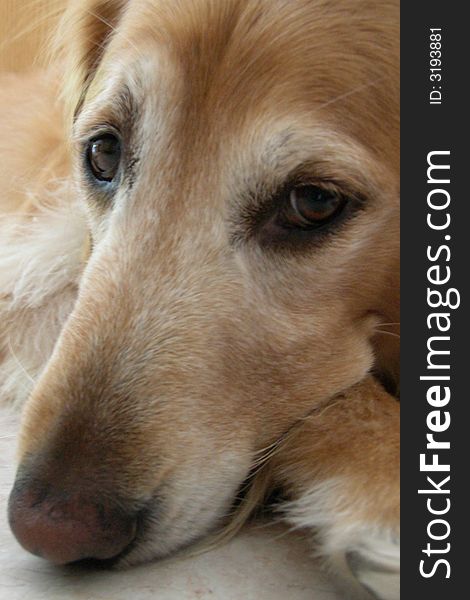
<point x="65" y="528"/>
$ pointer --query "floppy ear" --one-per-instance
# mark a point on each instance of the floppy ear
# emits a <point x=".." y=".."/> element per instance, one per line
<point x="83" y="34"/>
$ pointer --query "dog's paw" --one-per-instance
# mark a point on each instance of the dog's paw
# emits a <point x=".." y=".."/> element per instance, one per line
<point x="362" y="556"/>
<point x="375" y="563"/>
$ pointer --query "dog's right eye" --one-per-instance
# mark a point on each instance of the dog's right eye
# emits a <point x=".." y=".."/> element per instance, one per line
<point x="104" y="157"/>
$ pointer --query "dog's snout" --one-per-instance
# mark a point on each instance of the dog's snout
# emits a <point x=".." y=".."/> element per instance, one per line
<point x="65" y="527"/>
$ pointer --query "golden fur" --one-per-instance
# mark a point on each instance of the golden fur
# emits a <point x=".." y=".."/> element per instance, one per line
<point x="192" y="352"/>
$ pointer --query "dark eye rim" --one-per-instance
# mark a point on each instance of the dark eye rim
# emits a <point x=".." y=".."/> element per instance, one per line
<point x="89" y="171"/>
<point x="264" y="224"/>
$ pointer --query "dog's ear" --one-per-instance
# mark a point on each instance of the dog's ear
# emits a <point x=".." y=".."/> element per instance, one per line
<point x="84" y="32"/>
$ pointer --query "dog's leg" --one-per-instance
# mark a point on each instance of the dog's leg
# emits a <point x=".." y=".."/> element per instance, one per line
<point x="43" y="230"/>
<point x="40" y="265"/>
<point x="340" y="469"/>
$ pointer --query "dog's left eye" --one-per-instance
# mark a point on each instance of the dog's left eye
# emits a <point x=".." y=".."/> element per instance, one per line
<point x="309" y="206"/>
<point x="104" y="157"/>
<point x="301" y="213"/>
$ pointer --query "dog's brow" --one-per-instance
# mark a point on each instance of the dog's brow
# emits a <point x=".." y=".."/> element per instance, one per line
<point x="119" y="109"/>
<point x="126" y="101"/>
<point x="306" y="153"/>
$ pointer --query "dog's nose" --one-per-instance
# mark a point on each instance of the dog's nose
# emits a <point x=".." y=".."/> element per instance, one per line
<point x="66" y="527"/>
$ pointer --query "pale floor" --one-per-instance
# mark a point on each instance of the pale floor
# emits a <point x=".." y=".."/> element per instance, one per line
<point x="263" y="563"/>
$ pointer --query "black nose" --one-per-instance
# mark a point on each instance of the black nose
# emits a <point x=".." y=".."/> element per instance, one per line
<point x="66" y="526"/>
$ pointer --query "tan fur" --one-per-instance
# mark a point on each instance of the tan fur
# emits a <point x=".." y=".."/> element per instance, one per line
<point x="186" y="354"/>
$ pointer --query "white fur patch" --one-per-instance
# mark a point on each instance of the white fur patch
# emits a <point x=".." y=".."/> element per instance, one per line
<point x="40" y="265"/>
<point x="349" y="545"/>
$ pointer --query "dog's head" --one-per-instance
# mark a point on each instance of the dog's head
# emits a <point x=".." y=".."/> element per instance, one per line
<point x="238" y="162"/>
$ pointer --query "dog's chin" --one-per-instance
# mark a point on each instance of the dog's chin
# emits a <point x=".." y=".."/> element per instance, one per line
<point x="171" y="522"/>
<point x="158" y="538"/>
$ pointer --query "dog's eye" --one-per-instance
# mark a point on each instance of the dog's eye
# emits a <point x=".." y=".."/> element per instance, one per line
<point x="104" y="156"/>
<point x="300" y="214"/>
<point x="309" y="206"/>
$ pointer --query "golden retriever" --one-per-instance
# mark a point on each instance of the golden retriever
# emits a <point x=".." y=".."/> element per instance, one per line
<point x="199" y="266"/>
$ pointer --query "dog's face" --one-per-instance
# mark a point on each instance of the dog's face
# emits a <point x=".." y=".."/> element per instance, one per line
<point x="238" y="162"/>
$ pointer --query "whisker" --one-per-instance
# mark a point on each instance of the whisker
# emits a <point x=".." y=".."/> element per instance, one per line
<point x="33" y="25"/>
<point x="17" y="360"/>
<point x="396" y="335"/>
<point x="114" y="30"/>
<point x="355" y="90"/>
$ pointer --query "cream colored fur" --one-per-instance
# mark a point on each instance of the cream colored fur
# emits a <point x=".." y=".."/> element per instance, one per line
<point x="195" y="356"/>
<point x="38" y="287"/>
